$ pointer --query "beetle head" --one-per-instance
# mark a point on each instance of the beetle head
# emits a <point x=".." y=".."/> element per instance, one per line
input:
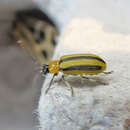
<point x="45" y="69"/>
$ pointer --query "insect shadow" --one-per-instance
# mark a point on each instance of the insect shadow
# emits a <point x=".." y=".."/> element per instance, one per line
<point x="84" y="81"/>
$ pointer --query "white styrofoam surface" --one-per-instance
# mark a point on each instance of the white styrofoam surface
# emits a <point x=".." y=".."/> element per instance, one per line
<point x="94" y="106"/>
<point x="60" y="11"/>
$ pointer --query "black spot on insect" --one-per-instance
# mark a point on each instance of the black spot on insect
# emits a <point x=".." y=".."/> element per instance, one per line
<point x="40" y="38"/>
<point x="31" y="29"/>
<point x="53" y="41"/>
<point x="42" y="35"/>
<point x="44" y="53"/>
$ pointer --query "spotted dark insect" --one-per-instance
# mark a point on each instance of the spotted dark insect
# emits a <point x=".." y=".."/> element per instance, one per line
<point x="34" y="29"/>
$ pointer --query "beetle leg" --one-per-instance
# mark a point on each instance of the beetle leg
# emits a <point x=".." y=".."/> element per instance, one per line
<point x="50" y="84"/>
<point x="94" y="80"/>
<point x="82" y="78"/>
<point x="110" y="72"/>
<point x="68" y="85"/>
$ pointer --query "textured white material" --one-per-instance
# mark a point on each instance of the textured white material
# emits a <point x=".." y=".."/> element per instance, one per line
<point x="94" y="106"/>
<point x="61" y="11"/>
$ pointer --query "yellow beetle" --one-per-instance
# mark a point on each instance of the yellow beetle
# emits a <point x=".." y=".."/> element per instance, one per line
<point x="75" y="64"/>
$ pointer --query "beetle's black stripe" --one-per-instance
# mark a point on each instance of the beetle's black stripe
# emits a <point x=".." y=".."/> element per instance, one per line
<point x="82" y="68"/>
<point x="81" y="57"/>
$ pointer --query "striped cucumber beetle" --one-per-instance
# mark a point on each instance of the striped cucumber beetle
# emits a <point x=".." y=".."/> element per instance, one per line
<point x="75" y="64"/>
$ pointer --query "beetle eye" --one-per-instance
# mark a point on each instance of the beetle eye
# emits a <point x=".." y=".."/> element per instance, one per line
<point x="45" y="69"/>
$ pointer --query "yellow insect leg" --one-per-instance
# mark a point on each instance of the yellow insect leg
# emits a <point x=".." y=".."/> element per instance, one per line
<point x="68" y="85"/>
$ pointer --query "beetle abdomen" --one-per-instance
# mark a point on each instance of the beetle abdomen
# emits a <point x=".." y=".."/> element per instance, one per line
<point x="82" y="64"/>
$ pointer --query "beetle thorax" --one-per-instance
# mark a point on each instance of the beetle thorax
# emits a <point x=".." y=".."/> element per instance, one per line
<point x="54" y="67"/>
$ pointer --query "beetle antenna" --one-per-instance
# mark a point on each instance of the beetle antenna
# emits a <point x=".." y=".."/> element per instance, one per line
<point x="50" y="84"/>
